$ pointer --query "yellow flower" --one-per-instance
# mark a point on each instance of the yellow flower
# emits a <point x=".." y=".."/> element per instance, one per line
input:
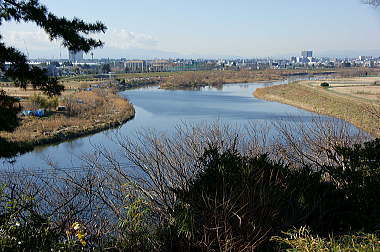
<point x="76" y="226"/>
<point x="81" y="235"/>
<point x="83" y="242"/>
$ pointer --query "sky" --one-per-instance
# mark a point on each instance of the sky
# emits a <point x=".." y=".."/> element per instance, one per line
<point x="210" y="28"/>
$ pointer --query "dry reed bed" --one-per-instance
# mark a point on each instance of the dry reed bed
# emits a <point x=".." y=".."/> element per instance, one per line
<point x="96" y="111"/>
<point x="218" y="77"/>
<point x="214" y="78"/>
<point x="363" y="113"/>
<point x="12" y="90"/>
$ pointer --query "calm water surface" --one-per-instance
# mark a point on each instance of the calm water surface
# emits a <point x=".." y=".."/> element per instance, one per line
<point x="162" y="110"/>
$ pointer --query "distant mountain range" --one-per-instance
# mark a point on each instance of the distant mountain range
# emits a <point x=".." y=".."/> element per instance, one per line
<point x="137" y="53"/>
<point x="152" y="54"/>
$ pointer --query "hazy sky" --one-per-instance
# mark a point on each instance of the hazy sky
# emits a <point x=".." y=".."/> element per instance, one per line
<point x="248" y="28"/>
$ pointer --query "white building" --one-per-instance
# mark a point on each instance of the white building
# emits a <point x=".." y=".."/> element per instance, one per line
<point x="307" y="54"/>
<point x="136" y="66"/>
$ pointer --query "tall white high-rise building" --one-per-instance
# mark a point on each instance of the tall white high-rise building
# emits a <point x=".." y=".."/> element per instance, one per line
<point x="307" y="54"/>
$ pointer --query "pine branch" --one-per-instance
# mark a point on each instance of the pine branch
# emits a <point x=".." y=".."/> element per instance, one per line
<point x="375" y="3"/>
<point x="58" y="28"/>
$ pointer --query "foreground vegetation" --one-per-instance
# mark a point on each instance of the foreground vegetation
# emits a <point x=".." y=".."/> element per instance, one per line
<point x="85" y="112"/>
<point x="354" y="100"/>
<point x="205" y="188"/>
<point x="303" y="240"/>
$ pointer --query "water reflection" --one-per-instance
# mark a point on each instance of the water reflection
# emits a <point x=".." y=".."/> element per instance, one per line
<point x="162" y="110"/>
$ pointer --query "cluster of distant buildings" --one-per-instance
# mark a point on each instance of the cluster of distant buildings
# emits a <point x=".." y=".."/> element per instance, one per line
<point x="76" y="64"/>
<point x="307" y="60"/>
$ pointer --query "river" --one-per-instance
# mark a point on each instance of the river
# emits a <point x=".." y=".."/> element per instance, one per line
<point x="162" y="110"/>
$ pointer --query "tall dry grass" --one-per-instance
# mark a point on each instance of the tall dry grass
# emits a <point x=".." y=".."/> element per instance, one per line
<point x="218" y="77"/>
<point x="361" y="113"/>
<point x="85" y="111"/>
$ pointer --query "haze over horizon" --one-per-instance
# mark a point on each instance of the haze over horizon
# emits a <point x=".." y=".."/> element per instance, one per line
<point x="212" y="29"/>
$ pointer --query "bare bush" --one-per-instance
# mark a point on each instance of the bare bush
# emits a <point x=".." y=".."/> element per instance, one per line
<point x="314" y="143"/>
<point x="107" y="192"/>
<point x="162" y="162"/>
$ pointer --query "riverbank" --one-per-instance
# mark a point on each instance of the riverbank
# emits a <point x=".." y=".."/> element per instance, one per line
<point x="186" y="80"/>
<point x="218" y="77"/>
<point x="86" y="113"/>
<point x="355" y="100"/>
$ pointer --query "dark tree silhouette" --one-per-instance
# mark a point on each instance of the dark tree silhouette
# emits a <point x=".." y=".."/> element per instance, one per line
<point x="7" y="111"/>
<point x="375" y="3"/>
<point x="73" y="33"/>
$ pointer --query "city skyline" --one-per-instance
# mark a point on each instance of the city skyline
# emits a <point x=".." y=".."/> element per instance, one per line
<point x="215" y="29"/>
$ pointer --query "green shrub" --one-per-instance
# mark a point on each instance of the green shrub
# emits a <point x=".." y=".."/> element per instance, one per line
<point x="40" y="101"/>
<point x="8" y="112"/>
<point x="53" y="102"/>
<point x="21" y="227"/>
<point x="325" y="84"/>
<point x="358" y="179"/>
<point x="24" y="228"/>
<point x="137" y="230"/>
<point x="303" y="240"/>
<point x="239" y="201"/>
